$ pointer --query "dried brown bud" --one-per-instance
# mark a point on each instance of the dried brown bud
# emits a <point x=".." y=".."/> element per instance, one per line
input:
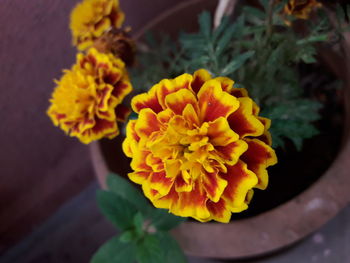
<point x="119" y="43"/>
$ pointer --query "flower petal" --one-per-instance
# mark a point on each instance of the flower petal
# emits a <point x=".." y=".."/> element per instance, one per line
<point x="232" y="152"/>
<point x="182" y="186"/>
<point x="215" y="103"/>
<point x="258" y="157"/>
<point x="121" y="89"/>
<point x="199" y="78"/>
<point x="166" y="201"/>
<point x="178" y="100"/>
<point x="214" y="185"/>
<point x="239" y="181"/>
<point x="219" y="211"/>
<point x="226" y="83"/>
<point x="160" y="182"/>
<point x="191" y="115"/>
<point x="192" y="204"/>
<point x="220" y="133"/>
<point x="147" y="123"/>
<point x="138" y="162"/>
<point x="239" y="92"/>
<point x="166" y="87"/>
<point x="146" y="100"/>
<point x="243" y="121"/>
<point x="122" y="113"/>
<point x="266" y="137"/>
<point x="139" y="177"/>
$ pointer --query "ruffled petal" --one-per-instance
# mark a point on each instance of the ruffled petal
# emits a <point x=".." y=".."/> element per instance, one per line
<point x="160" y="182"/>
<point x="258" y="157"/>
<point x="266" y="137"/>
<point x="199" y="78"/>
<point x="166" y="87"/>
<point x="147" y="123"/>
<point x="139" y="177"/>
<point x="226" y="83"/>
<point x="239" y="92"/>
<point x="219" y="211"/>
<point x="178" y="100"/>
<point x="214" y="102"/>
<point x="122" y="112"/>
<point x="243" y="122"/>
<point x="232" y="152"/>
<point x="239" y="181"/>
<point x="190" y="115"/>
<point x="220" y="133"/>
<point x="192" y="204"/>
<point x="214" y="185"/>
<point x="146" y="100"/>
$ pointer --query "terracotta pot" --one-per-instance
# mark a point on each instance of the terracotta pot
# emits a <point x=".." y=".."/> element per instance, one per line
<point x="269" y="231"/>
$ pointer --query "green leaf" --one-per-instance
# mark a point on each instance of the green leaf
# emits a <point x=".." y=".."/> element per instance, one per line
<point x="172" y="251"/>
<point x="236" y="63"/>
<point x="138" y="223"/>
<point x="312" y="39"/>
<point x="148" y="250"/>
<point x="293" y="120"/>
<point x="127" y="191"/>
<point x="205" y="23"/>
<point x="221" y="28"/>
<point x="114" y="251"/>
<point x="128" y="236"/>
<point x="118" y="210"/>
<point x="163" y="220"/>
<point x="255" y="12"/>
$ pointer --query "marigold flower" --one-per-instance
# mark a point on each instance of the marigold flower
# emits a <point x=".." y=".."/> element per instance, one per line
<point x="86" y="101"/>
<point x="301" y="8"/>
<point x="198" y="146"/>
<point x="91" y="18"/>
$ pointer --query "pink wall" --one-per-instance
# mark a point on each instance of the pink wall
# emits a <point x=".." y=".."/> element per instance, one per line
<point x="40" y="168"/>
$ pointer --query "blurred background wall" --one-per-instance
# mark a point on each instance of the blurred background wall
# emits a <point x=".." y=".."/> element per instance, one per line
<point x="40" y="168"/>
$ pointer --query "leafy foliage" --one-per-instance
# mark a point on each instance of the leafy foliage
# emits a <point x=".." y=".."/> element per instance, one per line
<point x="259" y="51"/>
<point x="144" y="238"/>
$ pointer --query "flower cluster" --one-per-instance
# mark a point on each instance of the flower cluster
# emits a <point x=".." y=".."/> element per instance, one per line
<point x="91" y="18"/>
<point x="199" y="147"/>
<point x="86" y="101"/>
<point x="301" y="8"/>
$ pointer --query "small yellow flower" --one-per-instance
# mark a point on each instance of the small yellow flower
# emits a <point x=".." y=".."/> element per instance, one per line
<point x="91" y="18"/>
<point x="301" y="8"/>
<point x="86" y="101"/>
<point x="198" y="147"/>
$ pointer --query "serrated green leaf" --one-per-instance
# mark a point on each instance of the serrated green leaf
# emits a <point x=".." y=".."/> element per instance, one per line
<point x="308" y="59"/>
<point x="224" y="41"/>
<point x="205" y="23"/>
<point x="236" y="63"/>
<point x="138" y="223"/>
<point x="128" y="236"/>
<point x="254" y="11"/>
<point x="313" y="39"/>
<point x="127" y="191"/>
<point x="221" y="28"/>
<point x="117" y="210"/>
<point x="171" y="249"/>
<point x="115" y="251"/>
<point x="165" y="221"/>
<point x="148" y="250"/>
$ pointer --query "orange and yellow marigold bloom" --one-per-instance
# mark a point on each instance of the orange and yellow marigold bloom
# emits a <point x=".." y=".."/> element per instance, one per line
<point x="301" y="8"/>
<point x="199" y="146"/>
<point x="87" y="100"/>
<point x="91" y="18"/>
